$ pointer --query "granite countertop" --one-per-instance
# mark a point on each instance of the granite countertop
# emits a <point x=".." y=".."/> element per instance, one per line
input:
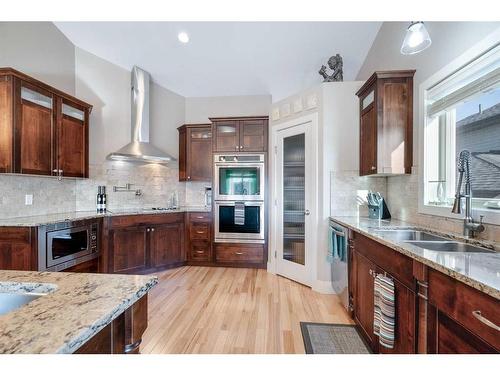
<point x="33" y="221"/>
<point x="75" y="308"/>
<point x="479" y="270"/>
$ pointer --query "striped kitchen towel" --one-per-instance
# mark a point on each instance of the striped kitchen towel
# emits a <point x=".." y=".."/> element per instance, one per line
<point x="239" y="213"/>
<point x="384" y="318"/>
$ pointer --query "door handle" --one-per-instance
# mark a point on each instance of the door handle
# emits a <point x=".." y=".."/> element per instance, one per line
<point x="307" y="212"/>
<point x="238" y="253"/>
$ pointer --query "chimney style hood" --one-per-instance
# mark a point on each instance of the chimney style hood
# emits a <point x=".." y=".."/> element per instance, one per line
<point x="140" y="149"/>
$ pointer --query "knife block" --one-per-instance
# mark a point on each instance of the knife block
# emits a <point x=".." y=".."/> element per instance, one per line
<point x="379" y="211"/>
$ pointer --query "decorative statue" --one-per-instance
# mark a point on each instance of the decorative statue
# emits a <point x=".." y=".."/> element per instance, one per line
<point x="335" y="64"/>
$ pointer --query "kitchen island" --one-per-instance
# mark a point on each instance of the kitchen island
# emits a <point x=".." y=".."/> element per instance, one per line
<point x="74" y="312"/>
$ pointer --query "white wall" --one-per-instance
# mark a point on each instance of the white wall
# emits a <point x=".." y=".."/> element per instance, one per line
<point x="199" y="109"/>
<point x="40" y="50"/>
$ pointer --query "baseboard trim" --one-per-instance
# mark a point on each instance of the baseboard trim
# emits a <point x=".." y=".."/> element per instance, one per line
<point x="323" y="287"/>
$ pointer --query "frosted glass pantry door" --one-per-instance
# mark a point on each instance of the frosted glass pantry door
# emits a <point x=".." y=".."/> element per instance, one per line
<point x="295" y="173"/>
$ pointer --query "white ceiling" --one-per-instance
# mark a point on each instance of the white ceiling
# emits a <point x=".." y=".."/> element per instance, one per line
<point x="228" y="58"/>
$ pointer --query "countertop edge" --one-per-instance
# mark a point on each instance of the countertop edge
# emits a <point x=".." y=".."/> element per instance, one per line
<point x="78" y="341"/>
<point x="476" y="284"/>
<point x="37" y="220"/>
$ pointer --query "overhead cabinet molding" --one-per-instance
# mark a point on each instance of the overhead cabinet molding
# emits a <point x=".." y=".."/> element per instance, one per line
<point x="43" y="131"/>
<point x="386" y="123"/>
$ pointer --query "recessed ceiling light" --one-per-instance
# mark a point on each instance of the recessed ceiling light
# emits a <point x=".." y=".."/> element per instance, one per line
<point x="183" y="37"/>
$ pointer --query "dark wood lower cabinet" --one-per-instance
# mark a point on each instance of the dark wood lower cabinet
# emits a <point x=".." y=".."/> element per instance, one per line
<point x="434" y="312"/>
<point x="18" y="249"/>
<point x="123" y="335"/>
<point x="167" y="245"/>
<point x="144" y="243"/>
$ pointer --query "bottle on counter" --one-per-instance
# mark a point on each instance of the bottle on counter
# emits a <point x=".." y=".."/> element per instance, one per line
<point x="101" y="199"/>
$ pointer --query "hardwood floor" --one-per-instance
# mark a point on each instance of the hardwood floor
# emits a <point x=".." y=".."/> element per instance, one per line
<point x="232" y="310"/>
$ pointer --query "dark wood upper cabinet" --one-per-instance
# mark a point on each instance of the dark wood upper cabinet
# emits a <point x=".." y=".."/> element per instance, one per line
<point x="195" y="152"/>
<point x="43" y="131"/>
<point x="72" y="139"/>
<point x="226" y="136"/>
<point x="386" y="123"/>
<point x="240" y="134"/>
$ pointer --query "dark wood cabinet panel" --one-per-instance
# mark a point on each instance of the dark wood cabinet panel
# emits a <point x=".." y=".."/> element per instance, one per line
<point x="200" y="251"/>
<point x="18" y="249"/>
<point x="452" y="338"/>
<point x="368" y="142"/>
<point x="363" y="298"/>
<point x="240" y="253"/>
<point x="386" y="123"/>
<point x="37" y="135"/>
<point x="6" y="124"/>
<point x="167" y="245"/>
<point x="195" y="152"/>
<point x="240" y="134"/>
<point x="129" y="249"/>
<point x="226" y="136"/>
<point x="467" y="306"/>
<point x="72" y="141"/>
<point x="145" y="243"/>
<point x="253" y="135"/>
<point x="136" y="322"/>
<point x="34" y="138"/>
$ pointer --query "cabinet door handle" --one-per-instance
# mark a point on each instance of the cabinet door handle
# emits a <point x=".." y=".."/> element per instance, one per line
<point x="147" y="229"/>
<point x="200" y="217"/>
<point x="237" y="147"/>
<point x="373" y="167"/>
<point x="152" y="229"/>
<point x="238" y="253"/>
<point x="200" y="232"/>
<point x="477" y="314"/>
<point x="241" y="147"/>
<point x="199" y="251"/>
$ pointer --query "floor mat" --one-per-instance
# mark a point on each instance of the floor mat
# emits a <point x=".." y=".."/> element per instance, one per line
<point x="323" y="338"/>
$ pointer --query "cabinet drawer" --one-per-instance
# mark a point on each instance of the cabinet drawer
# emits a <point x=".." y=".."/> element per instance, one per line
<point x="239" y="253"/>
<point x="203" y="217"/>
<point x="135" y="220"/>
<point x="200" y="251"/>
<point x="462" y="303"/>
<point x="398" y="265"/>
<point x="199" y="231"/>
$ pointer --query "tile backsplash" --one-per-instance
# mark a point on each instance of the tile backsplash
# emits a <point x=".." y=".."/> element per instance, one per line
<point x="348" y="192"/>
<point x="50" y="196"/>
<point x="157" y="182"/>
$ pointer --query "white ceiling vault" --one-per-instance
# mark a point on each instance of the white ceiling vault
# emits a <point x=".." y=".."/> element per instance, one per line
<point x="228" y="58"/>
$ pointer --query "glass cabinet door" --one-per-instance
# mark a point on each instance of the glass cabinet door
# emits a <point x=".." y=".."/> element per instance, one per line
<point x="294" y="198"/>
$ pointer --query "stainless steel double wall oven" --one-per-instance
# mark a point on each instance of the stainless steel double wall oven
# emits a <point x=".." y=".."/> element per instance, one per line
<point x="239" y="183"/>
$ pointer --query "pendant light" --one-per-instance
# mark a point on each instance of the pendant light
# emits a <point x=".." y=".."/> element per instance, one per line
<point x="416" y="39"/>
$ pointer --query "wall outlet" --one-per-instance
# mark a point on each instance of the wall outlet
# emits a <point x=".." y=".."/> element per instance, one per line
<point x="28" y="199"/>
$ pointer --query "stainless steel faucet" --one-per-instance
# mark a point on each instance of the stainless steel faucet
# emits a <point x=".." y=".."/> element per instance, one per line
<point x="470" y="227"/>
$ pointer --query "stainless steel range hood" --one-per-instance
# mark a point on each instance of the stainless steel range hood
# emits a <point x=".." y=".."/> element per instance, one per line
<point x="140" y="149"/>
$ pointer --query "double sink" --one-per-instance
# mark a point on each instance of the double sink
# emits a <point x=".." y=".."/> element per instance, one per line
<point x="429" y="241"/>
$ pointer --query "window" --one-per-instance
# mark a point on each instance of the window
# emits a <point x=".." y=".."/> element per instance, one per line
<point x="462" y="112"/>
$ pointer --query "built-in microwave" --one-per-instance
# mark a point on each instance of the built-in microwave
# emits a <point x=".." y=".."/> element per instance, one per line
<point x="239" y="177"/>
<point x="63" y="245"/>
<point x="248" y="229"/>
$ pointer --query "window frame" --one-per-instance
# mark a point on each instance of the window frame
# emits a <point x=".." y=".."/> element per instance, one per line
<point x="490" y="216"/>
